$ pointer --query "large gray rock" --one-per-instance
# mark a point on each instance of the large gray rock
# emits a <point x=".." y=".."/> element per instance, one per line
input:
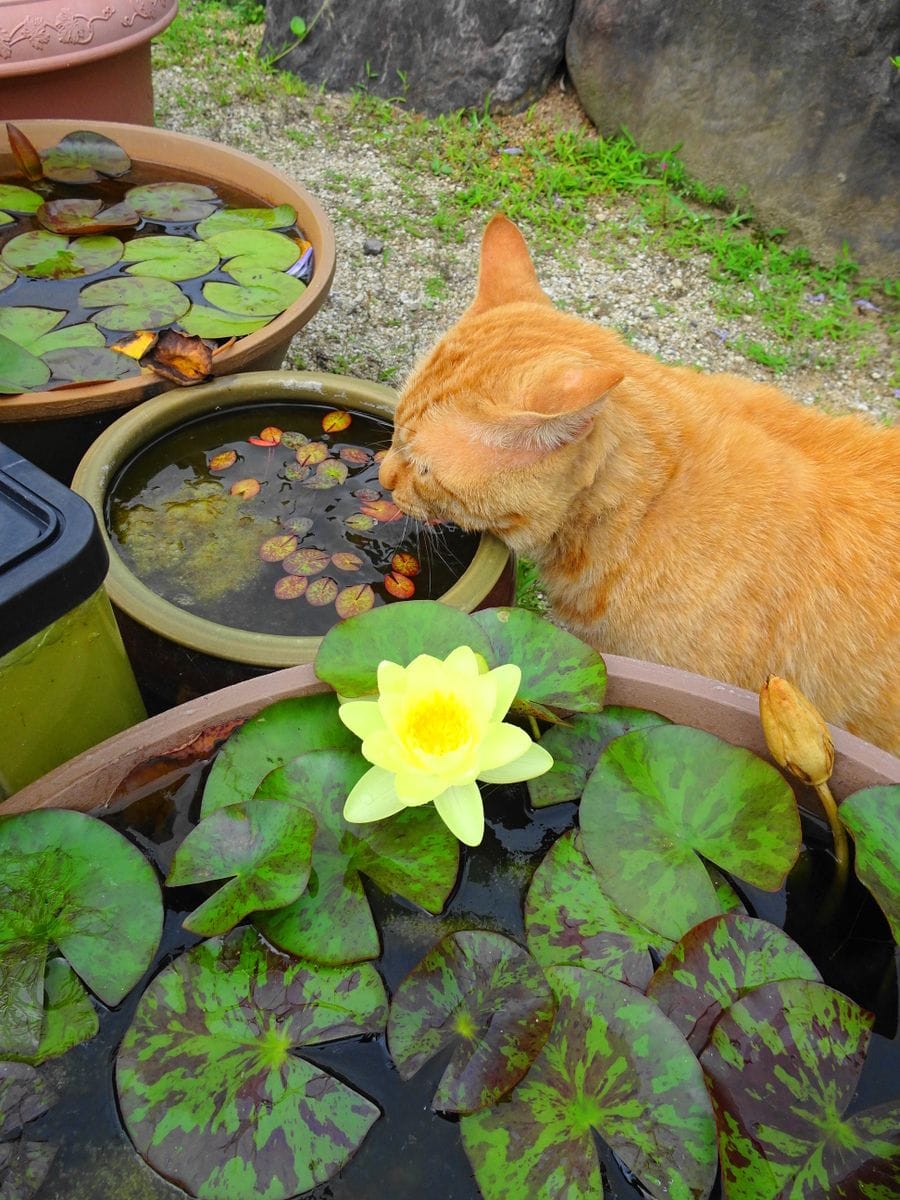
<point x="440" y="54"/>
<point x="794" y="102"/>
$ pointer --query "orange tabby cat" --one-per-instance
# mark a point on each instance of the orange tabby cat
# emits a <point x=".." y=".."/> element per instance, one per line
<point x="704" y="521"/>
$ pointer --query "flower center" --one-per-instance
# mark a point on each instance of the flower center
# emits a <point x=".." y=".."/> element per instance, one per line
<point x="437" y="724"/>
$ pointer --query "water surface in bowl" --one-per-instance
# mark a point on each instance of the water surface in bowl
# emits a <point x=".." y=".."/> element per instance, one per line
<point x="270" y="518"/>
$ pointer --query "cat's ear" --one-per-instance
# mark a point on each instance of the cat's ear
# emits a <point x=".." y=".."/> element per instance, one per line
<point x="506" y="274"/>
<point x="559" y="407"/>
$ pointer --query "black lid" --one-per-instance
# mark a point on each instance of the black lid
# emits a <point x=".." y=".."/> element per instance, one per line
<point x="52" y="554"/>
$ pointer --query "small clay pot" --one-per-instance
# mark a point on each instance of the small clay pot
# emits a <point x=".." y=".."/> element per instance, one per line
<point x="178" y="655"/>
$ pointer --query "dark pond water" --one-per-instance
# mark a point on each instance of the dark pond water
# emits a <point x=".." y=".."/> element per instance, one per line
<point x="412" y="1153"/>
<point x="311" y="543"/>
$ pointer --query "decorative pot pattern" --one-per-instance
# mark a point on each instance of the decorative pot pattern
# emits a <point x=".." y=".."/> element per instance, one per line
<point x="45" y="30"/>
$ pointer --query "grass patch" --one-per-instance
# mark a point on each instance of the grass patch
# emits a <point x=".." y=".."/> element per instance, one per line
<point x="549" y="179"/>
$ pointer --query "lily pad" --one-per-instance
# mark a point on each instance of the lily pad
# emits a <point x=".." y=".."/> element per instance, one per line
<point x="613" y="1063"/>
<point x="203" y="321"/>
<point x="310" y="454"/>
<point x="82" y="336"/>
<point x="484" y="996"/>
<point x="873" y="817"/>
<point x="82" y="216"/>
<point x="262" y="848"/>
<point x="104" y="919"/>
<point x="782" y="1066"/>
<point x="254" y="293"/>
<point x="570" y="919"/>
<point x="272" y="738"/>
<point x="40" y="254"/>
<point x="254" y="248"/>
<point x="15" y="199"/>
<point x="20" y="371"/>
<point x="322" y="591"/>
<point x="306" y="561"/>
<point x="170" y="257"/>
<point x="354" y="600"/>
<point x="89" y="364"/>
<point x="716" y="963"/>
<point x="209" y="1087"/>
<point x="411" y="854"/>
<point x="661" y="797"/>
<point x="328" y="474"/>
<point x="173" y="202"/>
<point x="577" y="745"/>
<point x="69" y="1015"/>
<point x="135" y="303"/>
<point x="84" y="157"/>
<point x="282" y="216"/>
<point x="7" y="276"/>
<point x="558" y="670"/>
<point x="349" y="655"/>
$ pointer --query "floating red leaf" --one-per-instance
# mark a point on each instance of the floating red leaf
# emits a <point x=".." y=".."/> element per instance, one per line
<point x="355" y="455"/>
<point x="322" y="591"/>
<point x="221" y="462"/>
<point x="382" y="510"/>
<point x="271" y="433"/>
<point x="404" y="563"/>
<point x="354" y="600"/>
<point x="291" y="587"/>
<point x="400" y="586"/>
<point x="334" y="422"/>
<point x="246" y="489"/>
<point x="261" y="441"/>
<point x="277" y="548"/>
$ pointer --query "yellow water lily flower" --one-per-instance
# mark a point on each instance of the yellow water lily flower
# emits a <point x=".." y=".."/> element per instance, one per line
<point x="435" y="727"/>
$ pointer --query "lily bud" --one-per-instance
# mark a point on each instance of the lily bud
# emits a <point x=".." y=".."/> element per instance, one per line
<point x="795" y="732"/>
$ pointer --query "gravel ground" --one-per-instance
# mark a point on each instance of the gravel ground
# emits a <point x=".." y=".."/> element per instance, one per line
<point x="386" y="308"/>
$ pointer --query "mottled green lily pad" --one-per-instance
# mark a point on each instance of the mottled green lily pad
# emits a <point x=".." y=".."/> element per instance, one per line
<point x="577" y="745"/>
<point x="328" y="475"/>
<point x="106" y="923"/>
<point x="130" y="304"/>
<point x="82" y="217"/>
<point x="262" y="848"/>
<point x="83" y="157"/>
<point x="484" y="996"/>
<point x="661" y="798"/>
<point x="272" y="738"/>
<point x="69" y="1015"/>
<point x="254" y="293"/>
<point x="7" y="276"/>
<point x="716" y="963"/>
<point x="349" y="655"/>
<point x="202" y="321"/>
<point x="209" y="1089"/>
<point x="20" y="371"/>
<point x="89" y="364"/>
<point x="69" y="337"/>
<point x="26" y="325"/>
<point x="411" y="854"/>
<point x="255" y="248"/>
<point x="613" y="1063"/>
<point x="873" y="817"/>
<point x="782" y="1066"/>
<point x="570" y="919"/>
<point x="15" y="199"/>
<point x="169" y="257"/>
<point x="283" y="216"/>
<point x="40" y="254"/>
<point x="173" y="202"/>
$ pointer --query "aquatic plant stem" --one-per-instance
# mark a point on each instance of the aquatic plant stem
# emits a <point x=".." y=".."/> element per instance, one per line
<point x="839" y="836"/>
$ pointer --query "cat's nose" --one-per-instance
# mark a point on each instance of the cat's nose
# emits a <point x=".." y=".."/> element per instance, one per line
<point x="387" y="472"/>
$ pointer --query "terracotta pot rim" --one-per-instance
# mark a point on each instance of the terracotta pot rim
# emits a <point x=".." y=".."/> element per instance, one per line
<point x="154" y="147"/>
<point x="90" y="780"/>
<point x="116" y="444"/>
<point x="67" y="54"/>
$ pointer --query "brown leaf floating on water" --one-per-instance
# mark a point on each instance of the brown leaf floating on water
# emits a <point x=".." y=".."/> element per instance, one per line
<point x="180" y="359"/>
<point x="23" y="151"/>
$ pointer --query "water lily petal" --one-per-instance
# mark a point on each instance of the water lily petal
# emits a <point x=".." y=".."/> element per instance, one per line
<point x="383" y="749"/>
<point x="391" y="677"/>
<point x="373" y="797"/>
<point x="415" y="788"/>
<point x="535" y="761"/>
<point x="506" y="680"/>
<point x="501" y="745"/>
<point x="461" y="810"/>
<point x="462" y="660"/>
<point x="362" y="717"/>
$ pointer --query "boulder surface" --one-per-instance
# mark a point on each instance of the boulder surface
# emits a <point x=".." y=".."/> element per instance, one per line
<point x="440" y="55"/>
<point x="794" y="106"/>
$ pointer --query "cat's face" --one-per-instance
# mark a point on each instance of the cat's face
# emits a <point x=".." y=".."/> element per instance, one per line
<point x="488" y="429"/>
